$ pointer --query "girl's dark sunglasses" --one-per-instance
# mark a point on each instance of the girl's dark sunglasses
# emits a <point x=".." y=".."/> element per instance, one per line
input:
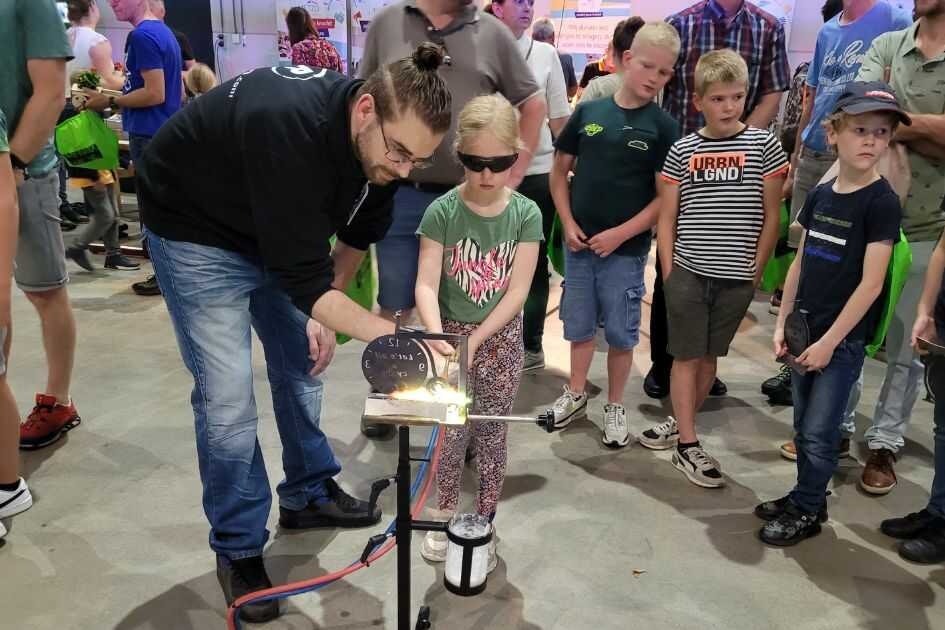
<point x="496" y="164"/>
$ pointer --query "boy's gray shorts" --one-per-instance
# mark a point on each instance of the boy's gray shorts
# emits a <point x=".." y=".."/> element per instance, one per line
<point x="40" y="253"/>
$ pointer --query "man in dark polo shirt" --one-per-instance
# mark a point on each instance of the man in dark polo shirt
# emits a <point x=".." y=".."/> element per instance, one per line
<point x="484" y="59"/>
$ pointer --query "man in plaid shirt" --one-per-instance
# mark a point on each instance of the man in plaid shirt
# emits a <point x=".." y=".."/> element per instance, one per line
<point x="758" y="37"/>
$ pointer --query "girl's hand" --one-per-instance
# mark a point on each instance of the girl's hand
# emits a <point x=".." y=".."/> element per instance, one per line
<point x="817" y="356"/>
<point x="443" y="348"/>
<point x="574" y="237"/>
<point x="780" y="347"/>
<point x="924" y="327"/>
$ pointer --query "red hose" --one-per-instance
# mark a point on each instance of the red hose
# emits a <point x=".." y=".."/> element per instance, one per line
<point x="331" y="577"/>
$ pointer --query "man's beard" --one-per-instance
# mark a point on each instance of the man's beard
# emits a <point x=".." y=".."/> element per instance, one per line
<point x="375" y="173"/>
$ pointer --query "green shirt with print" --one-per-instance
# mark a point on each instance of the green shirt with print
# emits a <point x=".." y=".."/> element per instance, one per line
<point x="919" y="84"/>
<point x="477" y="251"/>
<point x="619" y="151"/>
<point x="29" y="29"/>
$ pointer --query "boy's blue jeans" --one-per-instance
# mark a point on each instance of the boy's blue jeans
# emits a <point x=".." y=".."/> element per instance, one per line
<point x="214" y="298"/>
<point x="820" y="401"/>
<point x="937" y="500"/>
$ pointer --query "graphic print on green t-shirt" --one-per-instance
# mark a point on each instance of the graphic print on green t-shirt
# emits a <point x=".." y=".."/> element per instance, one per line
<point x="478" y="252"/>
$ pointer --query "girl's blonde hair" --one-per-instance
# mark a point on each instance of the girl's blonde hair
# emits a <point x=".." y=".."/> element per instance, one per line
<point x="200" y="79"/>
<point x="491" y="113"/>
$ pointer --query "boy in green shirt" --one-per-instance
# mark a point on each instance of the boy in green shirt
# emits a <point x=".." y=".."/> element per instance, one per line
<point x="607" y="215"/>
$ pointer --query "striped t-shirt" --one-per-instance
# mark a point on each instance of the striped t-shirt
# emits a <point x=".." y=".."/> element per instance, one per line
<point x="721" y="199"/>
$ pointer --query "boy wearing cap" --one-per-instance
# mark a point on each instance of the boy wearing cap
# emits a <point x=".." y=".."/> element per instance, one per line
<point x="850" y="224"/>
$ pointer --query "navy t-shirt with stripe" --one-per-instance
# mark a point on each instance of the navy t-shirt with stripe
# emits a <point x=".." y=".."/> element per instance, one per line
<point x="839" y="227"/>
<point x="721" y="199"/>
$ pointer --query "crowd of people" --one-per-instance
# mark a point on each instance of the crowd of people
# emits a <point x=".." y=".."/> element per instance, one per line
<point x="455" y="154"/>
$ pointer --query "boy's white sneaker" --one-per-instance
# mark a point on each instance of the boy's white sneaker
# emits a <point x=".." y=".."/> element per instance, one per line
<point x="15" y="501"/>
<point x="568" y="407"/>
<point x="616" y="427"/>
<point x="662" y="436"/>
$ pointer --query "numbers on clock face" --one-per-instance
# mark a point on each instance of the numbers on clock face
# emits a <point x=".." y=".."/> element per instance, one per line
<point x="391" y="363"/>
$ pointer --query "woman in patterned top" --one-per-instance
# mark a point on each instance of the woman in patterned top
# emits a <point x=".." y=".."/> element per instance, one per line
<point x="308" y="49"/>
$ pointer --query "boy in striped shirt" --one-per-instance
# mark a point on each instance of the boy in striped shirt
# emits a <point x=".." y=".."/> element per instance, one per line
<point x="717" y="229"/>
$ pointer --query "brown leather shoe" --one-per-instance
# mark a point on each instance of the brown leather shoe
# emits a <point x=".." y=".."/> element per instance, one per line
<point x="789" y="451"/>
<point x="878" y="474"/>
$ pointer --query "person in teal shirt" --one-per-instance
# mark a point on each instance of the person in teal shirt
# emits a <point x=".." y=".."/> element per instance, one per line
<point x="34" y="49"/>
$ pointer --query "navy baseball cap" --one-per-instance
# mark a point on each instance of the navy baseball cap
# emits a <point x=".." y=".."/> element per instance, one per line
<point x="860" y="97"/>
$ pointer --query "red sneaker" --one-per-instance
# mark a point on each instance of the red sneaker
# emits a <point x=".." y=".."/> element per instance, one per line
<point x="47" y="422"/>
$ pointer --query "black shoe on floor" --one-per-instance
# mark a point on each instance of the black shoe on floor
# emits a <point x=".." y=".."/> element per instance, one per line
<point x="770" y="510"/>
<point x="65" y="225"/>
<point x="653" y="387"/>
<point x="376" y="431"/>
<point x="718" y="388"/>
<point x="147" y="287"/>
<point x="80" y="257"/>
<point x="244" y="576"/>
<point x="790" y="528"/>
<point x="121" y="263"/>
<point x="341" y="510"/>
<point x="928" y="547"/>
<point x="909" y="526"/>
<point x="67" y="212"/>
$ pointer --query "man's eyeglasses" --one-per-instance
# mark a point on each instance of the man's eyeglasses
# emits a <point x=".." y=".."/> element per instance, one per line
<point x="399" y="156"/>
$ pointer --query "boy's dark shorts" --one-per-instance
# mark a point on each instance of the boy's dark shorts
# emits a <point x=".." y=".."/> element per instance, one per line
<point x="703" y="313"/>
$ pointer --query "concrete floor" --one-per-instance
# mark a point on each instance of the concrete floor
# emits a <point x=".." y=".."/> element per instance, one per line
<point x="590" y="538"/>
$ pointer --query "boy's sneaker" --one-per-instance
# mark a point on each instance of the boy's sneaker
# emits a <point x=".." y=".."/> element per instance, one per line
<point x="616" y="427"/>
<point x="3" y="530"/>
<point x="534" y="361"/>
<point x="148" y="286"/>
<point x="80" y="257"/>
<point x="339" y="509"/>
<point x="778" y="385"/>
<point x="662" y="436"/>
<point x="698" y="467"/>
<point x="928" y="547"/>
<point x="121" y="263"/>
<point x="569" y="407"/>
<point x="47" y="422"/>
<point x="790" y="528"/>
<point x="770" y="510"/>
<point x="244" y="576"/>
<point x="15" y="501"/>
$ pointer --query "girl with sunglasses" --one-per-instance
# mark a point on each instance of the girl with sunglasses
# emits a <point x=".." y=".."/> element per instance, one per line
<point x="478" y="249"/>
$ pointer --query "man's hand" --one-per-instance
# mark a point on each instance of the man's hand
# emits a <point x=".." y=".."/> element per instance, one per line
<point x="574" y="236"/>
<point x="321" y="346"/>
<point x="95" y="100"/>
<point x="924" y="327"/>
<point x="817" y="356"/>
<point x="604" y="243"/>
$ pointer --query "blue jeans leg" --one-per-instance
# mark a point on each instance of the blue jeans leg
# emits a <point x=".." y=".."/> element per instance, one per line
<point x="307" y="458"/>
<point x="398" y="251"/>
<point x="820" y="400"/>
<point x="937" y="500"/>
<point x="208" y="291"/>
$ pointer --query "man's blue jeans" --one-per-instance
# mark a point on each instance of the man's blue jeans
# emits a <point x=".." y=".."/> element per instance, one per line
<point x="937" y="500"/>
<point x="214" y="297"/>
<point x="820" y="401"/>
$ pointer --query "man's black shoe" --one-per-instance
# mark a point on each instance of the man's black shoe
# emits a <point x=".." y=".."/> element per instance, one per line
<point x="147" y="287"/>
<point x="790" y="528"/>
<point x="340" y="510"/>
<point x="928" y="547"/>
<point x="67" y="212"/>
<point x="240" y="577"/>
<point x="654" y="387"/>
<point x="770" y="510"/>
<point x="718" y="388"/>
<point x="909" y="526"/>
